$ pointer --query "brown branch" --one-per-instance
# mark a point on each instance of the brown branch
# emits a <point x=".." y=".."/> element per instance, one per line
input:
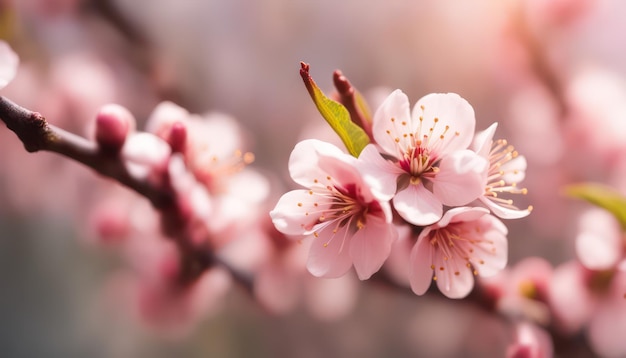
<point x="38" y="135"/>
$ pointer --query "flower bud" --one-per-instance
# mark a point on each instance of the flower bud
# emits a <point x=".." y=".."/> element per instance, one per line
<point x="113" y="123"/>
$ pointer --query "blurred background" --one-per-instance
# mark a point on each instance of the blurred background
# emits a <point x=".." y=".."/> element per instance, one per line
<point x="550" y="72"/>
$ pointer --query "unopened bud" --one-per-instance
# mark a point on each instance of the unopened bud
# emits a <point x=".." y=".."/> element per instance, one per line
<point x="113" y="123"/>
<point x="178" y="137"/>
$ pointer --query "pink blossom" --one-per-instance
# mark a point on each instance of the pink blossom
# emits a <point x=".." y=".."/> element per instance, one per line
<point x="348" y="223"/>
<point x="506" y="169"/>
<point x="8" y="64"/>
<point x="521" y="291"/>
<point x="430" y="165"/>
<point x="145" y="154"/>
<point x="466" y="242"/>
<point x="600" y="242"/>
<point x="530" y="341"/>
<point x="593" y="299"/>
<point x="607" y="327"/>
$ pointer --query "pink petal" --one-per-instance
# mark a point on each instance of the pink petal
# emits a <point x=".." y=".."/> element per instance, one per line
<point x="461" y="178"/>
<point x="290" y="214"/>
<point x="313" y="159"/>
<point x="456" y="280"/>
<point x="451" y="110"/>
<point x="569" y="297"/>
<point x="599" y="243"/>
<point x="461" y="214"/>
<point x="607" y="327"/>
<point x="514" y="170"/>
<point x="396" y="106"/>
<point x="371" y="246"/>
<point x="9" y="62"/>
<point x="483" y="140"/>
<point x="417" y="205"/>
<point x="380" y="174"/>
<point x="329" y="254"/>
<point x="303" y="162"/>
<point x="420" y="271"/>
<point x="502" y="212"/>
<point x="490" y="256"/>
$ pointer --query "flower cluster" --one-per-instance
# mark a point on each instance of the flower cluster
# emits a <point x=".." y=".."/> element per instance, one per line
<point x="425" y="168"/>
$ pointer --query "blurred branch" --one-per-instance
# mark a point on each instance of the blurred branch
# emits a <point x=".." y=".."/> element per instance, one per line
<point x="38" y="135"/>
<point x="539" y="61"/>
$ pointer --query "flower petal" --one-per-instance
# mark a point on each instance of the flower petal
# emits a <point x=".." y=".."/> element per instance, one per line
<point x="329" y="255"/>
<point x="491" y="253"/>
<point x="461" y="178"/>
<point x="503" y="212"/>
<point x="483" y="140"/>
<point x="417" y="205"/>
<point x="371" y="246"/>
<point x="420" y="270"/>
<point x="290" y="216"/>
<point x="599" y="243"/>
<point x="304" y="161"/>
<point x="455" y="280"/>
<point x="514" y="171"/>
<point x="446" y="113"/>
<point x="387" y="122"/>
<point x="380" y="174"/>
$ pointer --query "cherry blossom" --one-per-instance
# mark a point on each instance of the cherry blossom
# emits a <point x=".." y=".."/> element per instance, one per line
<point x="600" y="242"/>
<point x="506" y="169"/>
<point x="429" y="164"/>
<point x="466" y="242"/>
<point x="349" y="224"/>
<point x="530" y="341"/>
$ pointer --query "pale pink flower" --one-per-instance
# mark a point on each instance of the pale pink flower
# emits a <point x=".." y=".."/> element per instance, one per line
<point x="506" y="169"/>
<point x="429" y="164"/>
<point x="349" y="224"/>
<point x="593" y="299"/>
<point x="213" y="148"/>
<point x="530" y="341"/>
<point x="522" y="290"/>
<point x="466" y="242"/>
<point x="607" y="326"/>
<point x="9" y="61"/>
<point x="600" y="243"/>
<point x="145" y="154"/>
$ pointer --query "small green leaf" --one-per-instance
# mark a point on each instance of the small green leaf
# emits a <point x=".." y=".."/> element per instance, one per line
<point x="602" y="196"/>
<point x="353" y="136"/>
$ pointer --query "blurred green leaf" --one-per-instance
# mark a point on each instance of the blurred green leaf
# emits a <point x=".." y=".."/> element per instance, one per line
<point x="353" y="136"/>
<point x="602" y="196"/>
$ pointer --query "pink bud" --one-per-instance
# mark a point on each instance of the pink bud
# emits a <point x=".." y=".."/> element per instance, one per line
<point x="178" y="137"/>
<point x="113" y="123"/>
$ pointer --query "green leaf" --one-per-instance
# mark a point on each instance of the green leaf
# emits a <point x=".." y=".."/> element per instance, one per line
<point x="602" y="196"/>
<point x="353" y="136"/>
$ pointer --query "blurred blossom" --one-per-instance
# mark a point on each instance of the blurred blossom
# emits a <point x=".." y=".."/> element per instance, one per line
<point x="600" y="243"/>
<point x="521" y="290"/>
<point x="9" y="62"/>
<point x="530" y="341"/>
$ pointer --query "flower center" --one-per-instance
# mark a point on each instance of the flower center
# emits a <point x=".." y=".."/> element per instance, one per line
<point x="417" y="149"/>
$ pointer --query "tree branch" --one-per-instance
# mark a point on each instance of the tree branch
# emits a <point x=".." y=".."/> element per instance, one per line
<point x="38" y="135"/>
